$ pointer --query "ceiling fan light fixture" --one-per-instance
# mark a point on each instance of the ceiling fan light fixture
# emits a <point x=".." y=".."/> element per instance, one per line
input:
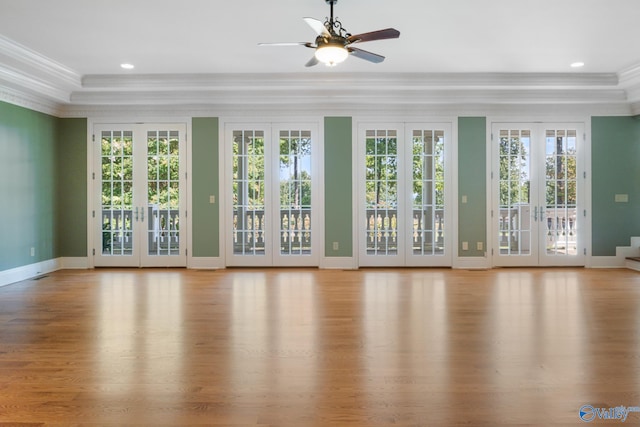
<point x="333" y="43"/>
<point x="331" y="54"/>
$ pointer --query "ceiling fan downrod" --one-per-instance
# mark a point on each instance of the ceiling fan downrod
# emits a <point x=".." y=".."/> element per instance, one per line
<point x="334" y="26"/>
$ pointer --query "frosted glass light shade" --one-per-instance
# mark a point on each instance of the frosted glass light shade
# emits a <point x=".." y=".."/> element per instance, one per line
<point x="331" y="54"/>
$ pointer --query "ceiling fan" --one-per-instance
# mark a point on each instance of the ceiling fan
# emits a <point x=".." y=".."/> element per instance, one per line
<point x="334" y="44"/>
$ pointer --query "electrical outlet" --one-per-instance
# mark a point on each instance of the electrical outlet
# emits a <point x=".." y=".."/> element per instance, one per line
<point x="465" y="246"/>
<point x="479" y="246"/>
<point x="33" y="251"/>
<point x="212" y="199"/>
<point x="336" y="246"/>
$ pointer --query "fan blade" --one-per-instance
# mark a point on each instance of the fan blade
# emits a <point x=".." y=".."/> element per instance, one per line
<point x="389" y="33"/>
<point x="367" y="56"/>
<point x="313" y="61"/>
<point x="307" y="44"/>
<point x="317" y="26"/>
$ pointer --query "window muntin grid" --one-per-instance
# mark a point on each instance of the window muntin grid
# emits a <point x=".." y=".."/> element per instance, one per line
<point x="428" y="210"/>
<point x="163" y="192"/>
<point x="560" y="215"/>
<point x="381" y="186"/>
<point x="116" y="161"/>
<point x="514" y="231"/>
<point x="295" y="176"/>
<point x="249" y="234"/>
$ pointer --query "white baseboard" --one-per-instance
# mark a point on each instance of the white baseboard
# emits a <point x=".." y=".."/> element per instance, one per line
<point x="606" y="262"/>
<point x="338" y="263"/>
<point x="28" y="271"/>
<point x="471" y="263"/>
<point x="205" y="263"/>
<point x="632" y="265"/>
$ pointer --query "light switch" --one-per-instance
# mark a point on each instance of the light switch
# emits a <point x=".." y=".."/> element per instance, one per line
<point x="212" y="199"/>
<point x="464" y="198"/>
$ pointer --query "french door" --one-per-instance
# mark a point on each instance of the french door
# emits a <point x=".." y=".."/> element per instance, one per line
<point x="538" y="194"/>
<point x="405" y="194"/>
<point x="139" y="205"/>
<point x="272" y="179"/>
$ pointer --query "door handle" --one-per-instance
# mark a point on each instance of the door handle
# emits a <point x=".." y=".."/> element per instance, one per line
<point x="136" y="214"/>
<point x="535" y="214"/>
<point x="141" y="214"/>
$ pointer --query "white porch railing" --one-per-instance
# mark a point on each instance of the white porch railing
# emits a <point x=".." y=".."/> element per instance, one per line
<point x="163" y="232"/>
<point x="250" y="235"/>
<point x="515" y="229"/>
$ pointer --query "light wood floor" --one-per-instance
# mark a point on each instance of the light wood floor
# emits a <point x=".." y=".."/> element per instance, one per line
<point x="295" y="347"/>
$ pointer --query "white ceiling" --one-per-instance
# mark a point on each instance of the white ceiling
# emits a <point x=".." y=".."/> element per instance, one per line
<point x="221" y="37"/>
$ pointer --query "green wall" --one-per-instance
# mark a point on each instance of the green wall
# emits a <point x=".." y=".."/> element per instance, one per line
<point x="615" y="168"/>
<point x="338" y="196"/>
<point x="43" y="182"/>
<point x="205" y="172"/>
<point x="472" y="173"/>
<point x="27" y="186"/>
<point x="71" y="191"/>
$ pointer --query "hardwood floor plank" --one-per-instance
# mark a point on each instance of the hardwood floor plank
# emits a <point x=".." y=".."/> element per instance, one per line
<point x="305" y="347"/>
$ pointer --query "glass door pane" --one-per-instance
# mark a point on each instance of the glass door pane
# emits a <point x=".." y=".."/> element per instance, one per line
<point x="381" y="187"/>
<point x="295" y="229"/>
<point x="163" y="190"/>
<point x="427" y="233"/>
<point x="163" y="193"/>
<point x="248" y="217"/>
<point x="116" y="193"/>
<point x="560" y="207"/>
<point x="514" y="214"/>
<point x="382" y="217"/>
<point x="249" y="193"/>
<point x="294" y="195"/>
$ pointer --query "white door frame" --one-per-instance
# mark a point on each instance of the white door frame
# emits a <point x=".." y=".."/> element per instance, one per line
<point x="404" y="256"/>
<point x="272" y="253"/>
<point x="538" y="256"/>
<point x="140" y="257"/>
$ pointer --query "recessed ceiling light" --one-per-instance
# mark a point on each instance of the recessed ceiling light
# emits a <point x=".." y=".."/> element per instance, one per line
<point x="577" y="65"/>
<point x="127" y="66"/>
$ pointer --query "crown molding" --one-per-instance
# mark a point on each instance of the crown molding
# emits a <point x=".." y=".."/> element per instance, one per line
<point x="290" y="81"/>
<point x="341" y="95"/>
<point x="629" y="75"/>
<point x="30" y="101"/>
<point x="272" y="112"/>
<point x="33" y="62"/>
<point x="348" y="88"/>
<point x="630" y="81"/>
<point x="34" y="85"/>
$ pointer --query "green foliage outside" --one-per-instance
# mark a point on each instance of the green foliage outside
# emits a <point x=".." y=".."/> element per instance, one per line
<point x="382" y="172"/>
<point x="560" y="172"/>
<point x="163" y="172"/>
